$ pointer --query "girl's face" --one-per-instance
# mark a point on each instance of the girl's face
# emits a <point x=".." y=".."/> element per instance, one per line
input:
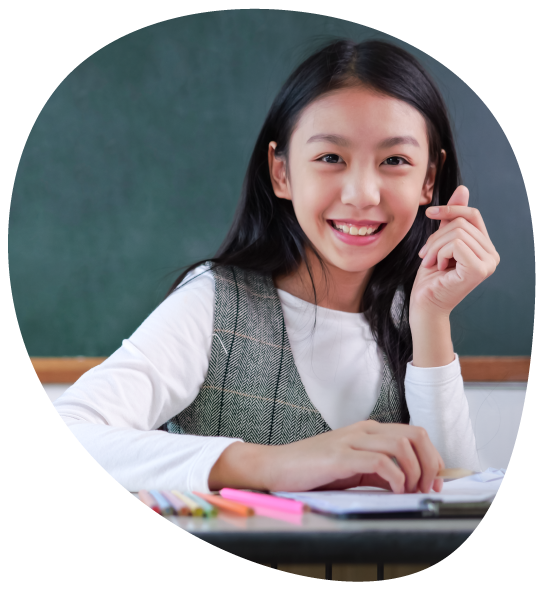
<point x="357" y="172"/>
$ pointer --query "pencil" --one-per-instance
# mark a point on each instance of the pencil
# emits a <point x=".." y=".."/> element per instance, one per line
<point x="454" y="473"/>
<point x="165" y="506"/>
<point x="146" y="498"/>
<point x="192" y="505"/>
<point x="208" y="509"/>
<point x="263" y="500"/>
<point x="179" y="506"/>
<point x="226" y="504"/>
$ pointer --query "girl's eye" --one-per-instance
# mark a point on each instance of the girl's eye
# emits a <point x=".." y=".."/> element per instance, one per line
<point x="331" y="158"/>
<point x="395" y="161"/>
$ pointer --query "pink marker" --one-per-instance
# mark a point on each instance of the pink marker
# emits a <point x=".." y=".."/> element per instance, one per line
<point x="262" y="500"/>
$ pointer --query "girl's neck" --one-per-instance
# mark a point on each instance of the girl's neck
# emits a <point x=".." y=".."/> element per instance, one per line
<point x="336" y="289"/>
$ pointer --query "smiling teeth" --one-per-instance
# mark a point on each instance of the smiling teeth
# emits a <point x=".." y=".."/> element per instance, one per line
<point x="353" y="230"/>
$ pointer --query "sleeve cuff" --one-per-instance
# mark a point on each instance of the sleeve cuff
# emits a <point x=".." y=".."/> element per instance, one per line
<point x="433" y="376"/>
<point x="209" y="454"/>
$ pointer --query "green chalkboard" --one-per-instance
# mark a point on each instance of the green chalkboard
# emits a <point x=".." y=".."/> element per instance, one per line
<point x="134" y="166"/>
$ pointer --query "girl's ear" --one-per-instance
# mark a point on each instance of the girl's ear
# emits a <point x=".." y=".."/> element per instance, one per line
<point x="277" y="172"/>
<point x="429" y="184"/>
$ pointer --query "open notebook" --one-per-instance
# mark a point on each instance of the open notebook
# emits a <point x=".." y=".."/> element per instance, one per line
<point x="467" y="496"/>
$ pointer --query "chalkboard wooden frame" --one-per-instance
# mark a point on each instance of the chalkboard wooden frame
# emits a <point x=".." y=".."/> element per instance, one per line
<point x="473" y="368"/>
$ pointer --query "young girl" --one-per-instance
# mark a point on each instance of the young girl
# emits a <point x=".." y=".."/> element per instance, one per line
<point x="314" y="350"/>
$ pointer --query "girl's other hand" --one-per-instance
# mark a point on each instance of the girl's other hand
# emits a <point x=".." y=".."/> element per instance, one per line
<point x="391" y="456"/>
<point x="456" y="258"/>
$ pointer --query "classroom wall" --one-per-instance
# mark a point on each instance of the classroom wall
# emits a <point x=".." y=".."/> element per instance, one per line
<point x="134" y="167"/>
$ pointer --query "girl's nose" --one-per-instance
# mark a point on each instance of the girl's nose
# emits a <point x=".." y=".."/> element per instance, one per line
<point x="361" y="190"/>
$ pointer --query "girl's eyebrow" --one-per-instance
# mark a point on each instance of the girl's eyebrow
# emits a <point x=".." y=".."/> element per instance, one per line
<point x="344" y="142"/>
<point x="329" y="138"/>
<point x="401" y="140"/>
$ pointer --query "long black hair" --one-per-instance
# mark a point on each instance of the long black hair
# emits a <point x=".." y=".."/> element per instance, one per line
<point x="265" y="235"/>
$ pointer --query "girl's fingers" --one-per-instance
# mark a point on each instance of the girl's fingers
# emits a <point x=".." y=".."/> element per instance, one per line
<point x="376" y="463"/>
<point x="468" y="262"/>
<point x="427" y="456"/>
<point x="398" y="457"/>
<point x="398" y="447"/>
<point x="439" y="241"/>
<point x="460" y="196"/>
<point x="447" y="213"/>
<point x="460" y="224"/>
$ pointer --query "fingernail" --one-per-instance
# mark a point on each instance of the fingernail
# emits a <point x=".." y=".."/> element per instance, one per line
<point x="433" y="210"/>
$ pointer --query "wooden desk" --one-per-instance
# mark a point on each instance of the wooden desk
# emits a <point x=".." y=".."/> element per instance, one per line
<point x="322" y="539"/>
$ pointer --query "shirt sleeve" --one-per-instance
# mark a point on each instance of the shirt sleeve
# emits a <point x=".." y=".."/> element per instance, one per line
<point x="436" y="401"/>
<point x="115" y="409"/>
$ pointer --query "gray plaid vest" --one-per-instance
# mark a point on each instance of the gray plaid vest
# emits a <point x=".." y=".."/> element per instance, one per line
<point x="253" y="390"/>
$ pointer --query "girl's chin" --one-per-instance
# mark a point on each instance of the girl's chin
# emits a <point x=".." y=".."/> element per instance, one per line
<point x="340" y="260"/>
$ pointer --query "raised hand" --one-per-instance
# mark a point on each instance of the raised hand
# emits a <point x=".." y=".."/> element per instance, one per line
<point x="456" y="258"/>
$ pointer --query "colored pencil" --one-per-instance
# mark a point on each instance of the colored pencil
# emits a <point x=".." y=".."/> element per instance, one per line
<point x="208" y="509"/>
<point x="226" y="504"/>
<point x="146" y="498"/>
<point x="454" y="473"/>
<point x="263" y="500"/>
<point x="165" y="506"/>
<point x="196" y="509"/>
<point x="179" y="506"/>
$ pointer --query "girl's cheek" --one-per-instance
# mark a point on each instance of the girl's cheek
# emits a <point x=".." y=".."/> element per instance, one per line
<point x="404" y="200"/>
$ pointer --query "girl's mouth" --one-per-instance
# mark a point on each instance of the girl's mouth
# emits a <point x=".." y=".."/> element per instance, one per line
<point x="350" y="229"/>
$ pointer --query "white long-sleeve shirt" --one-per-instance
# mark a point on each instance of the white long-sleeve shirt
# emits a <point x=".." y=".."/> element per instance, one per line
<point x="115" y="408"/>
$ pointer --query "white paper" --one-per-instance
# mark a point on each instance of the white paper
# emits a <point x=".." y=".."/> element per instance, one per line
<point x="476" y="488"/>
